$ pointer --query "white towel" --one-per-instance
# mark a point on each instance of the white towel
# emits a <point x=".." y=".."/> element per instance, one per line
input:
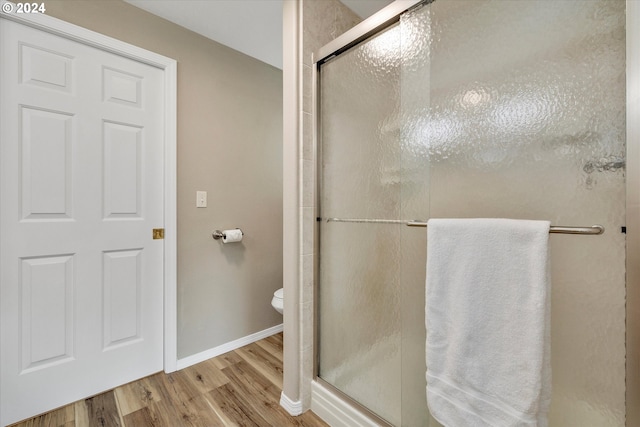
<point x="487" y="318"/>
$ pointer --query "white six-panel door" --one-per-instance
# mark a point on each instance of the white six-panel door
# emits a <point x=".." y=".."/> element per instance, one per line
<point x="81" y="187"/>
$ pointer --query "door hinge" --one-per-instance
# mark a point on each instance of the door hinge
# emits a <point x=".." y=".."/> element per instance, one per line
<point x="158" y="233"/>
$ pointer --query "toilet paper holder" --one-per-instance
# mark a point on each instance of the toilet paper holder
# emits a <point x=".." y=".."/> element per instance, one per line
<point x="217" y="234"/>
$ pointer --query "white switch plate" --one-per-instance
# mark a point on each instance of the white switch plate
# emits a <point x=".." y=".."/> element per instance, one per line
<point x="201" y="199"/>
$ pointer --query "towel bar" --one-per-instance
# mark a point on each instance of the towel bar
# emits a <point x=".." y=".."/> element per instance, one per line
<point x="593" y="230"/>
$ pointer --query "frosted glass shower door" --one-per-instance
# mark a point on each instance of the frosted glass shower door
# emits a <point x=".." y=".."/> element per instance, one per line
<point x="360" y="168"/>
<point x="470" y="109"/>
<point x="525" y="118"/>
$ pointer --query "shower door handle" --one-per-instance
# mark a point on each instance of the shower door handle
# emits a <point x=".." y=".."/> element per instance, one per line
<point x="417" y="223"/>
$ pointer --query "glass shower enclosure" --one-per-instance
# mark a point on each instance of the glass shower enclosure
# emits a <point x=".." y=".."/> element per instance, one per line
<point x="463" y="109"/>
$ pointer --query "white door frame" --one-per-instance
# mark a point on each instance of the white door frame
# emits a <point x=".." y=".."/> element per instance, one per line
<point x="169" y="66"/>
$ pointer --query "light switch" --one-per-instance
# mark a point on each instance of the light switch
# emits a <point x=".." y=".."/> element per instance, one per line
<point x="201" y="199"/>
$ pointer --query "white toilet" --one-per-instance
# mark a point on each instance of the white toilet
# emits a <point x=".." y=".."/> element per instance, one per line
<point x="277" y="300"/>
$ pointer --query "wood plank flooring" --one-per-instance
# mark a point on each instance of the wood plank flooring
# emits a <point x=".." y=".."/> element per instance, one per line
<point x="239" y="388"/>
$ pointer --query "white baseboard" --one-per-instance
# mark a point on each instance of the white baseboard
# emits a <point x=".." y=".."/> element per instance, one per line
<point x="335" y="411"/>
<point x="225" y="348"/>
<point x="294" y="408"/>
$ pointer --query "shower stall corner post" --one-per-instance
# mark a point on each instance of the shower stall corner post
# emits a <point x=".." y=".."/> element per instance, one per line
<point x="633" y="215"/>
<point x="290" y="397"/>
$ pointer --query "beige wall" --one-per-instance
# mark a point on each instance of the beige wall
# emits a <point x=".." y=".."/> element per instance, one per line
<point x="230" y="145"/>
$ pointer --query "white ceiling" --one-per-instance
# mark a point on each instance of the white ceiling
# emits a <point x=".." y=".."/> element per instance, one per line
<point x="253" y="27"/>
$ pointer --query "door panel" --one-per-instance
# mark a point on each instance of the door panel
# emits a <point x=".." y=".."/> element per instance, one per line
<point x="45" y="163"/>
<point x="81" y="187"/>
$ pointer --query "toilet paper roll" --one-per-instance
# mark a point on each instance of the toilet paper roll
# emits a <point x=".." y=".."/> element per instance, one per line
<point x="231" y="236"/>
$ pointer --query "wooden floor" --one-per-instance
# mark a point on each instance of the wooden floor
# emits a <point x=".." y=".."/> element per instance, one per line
<point x="239" y="388"/>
